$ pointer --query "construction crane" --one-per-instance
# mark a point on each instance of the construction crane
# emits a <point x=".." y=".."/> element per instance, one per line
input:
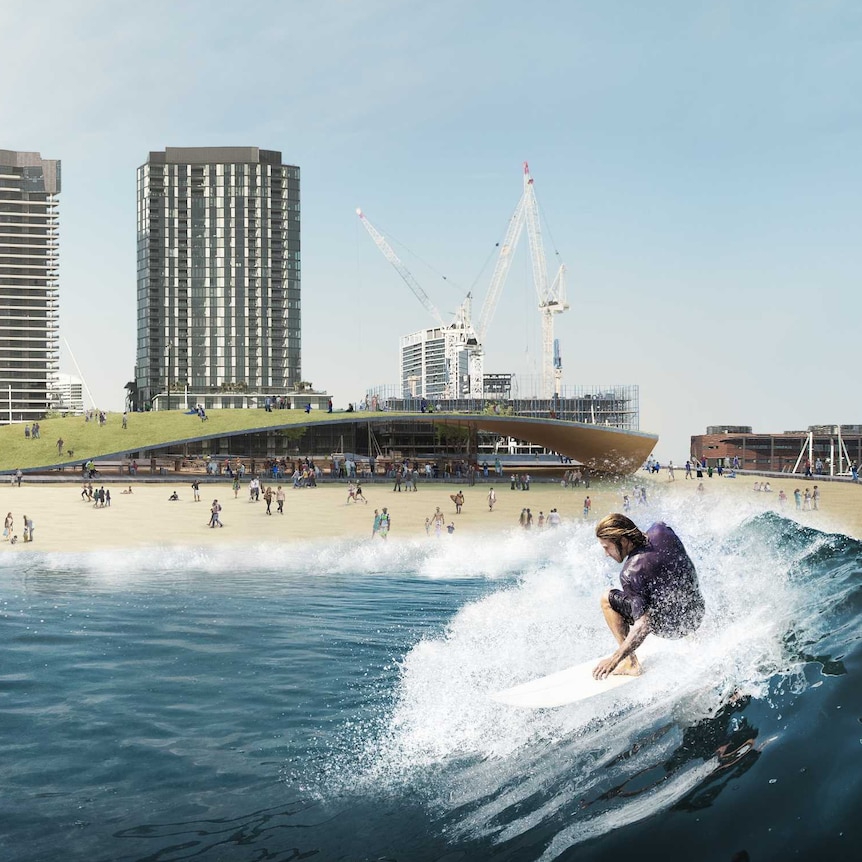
<point x="552" y="299"/>
<point x="501" y="269"/>
<point x="498" y="279"/>
<point x="405" y="273"/>
<point x="459" y="335"/>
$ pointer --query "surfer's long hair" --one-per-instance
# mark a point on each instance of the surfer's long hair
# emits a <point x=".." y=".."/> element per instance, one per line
<point x="617" y="527"/>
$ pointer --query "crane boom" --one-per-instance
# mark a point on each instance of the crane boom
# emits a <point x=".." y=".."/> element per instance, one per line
<point x="501" y="269"/>
<point x="389" y="254"/>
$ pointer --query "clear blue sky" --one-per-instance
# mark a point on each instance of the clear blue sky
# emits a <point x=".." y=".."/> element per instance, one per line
<point x="697" y="163"/>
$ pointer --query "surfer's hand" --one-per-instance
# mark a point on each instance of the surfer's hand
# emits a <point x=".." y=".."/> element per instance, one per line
<point x="605" y="667"/>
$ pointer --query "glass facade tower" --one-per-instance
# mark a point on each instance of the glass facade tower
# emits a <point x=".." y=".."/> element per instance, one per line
<point x="29" y="290"/>
<point x="218" y="277"/>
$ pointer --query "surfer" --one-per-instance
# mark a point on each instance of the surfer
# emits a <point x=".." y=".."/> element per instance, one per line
<point x="660" y="592"/>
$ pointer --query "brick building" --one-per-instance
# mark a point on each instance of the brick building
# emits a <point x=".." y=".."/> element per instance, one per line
<point x="835" y="446"/>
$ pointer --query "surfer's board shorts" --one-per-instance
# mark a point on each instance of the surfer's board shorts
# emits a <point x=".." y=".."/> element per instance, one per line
<point x="672" y="622"/>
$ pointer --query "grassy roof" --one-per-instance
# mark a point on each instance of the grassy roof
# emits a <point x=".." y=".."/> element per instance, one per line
<point x="154" y="430"/>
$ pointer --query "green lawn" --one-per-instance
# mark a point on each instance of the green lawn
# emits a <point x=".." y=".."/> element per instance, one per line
<point x="145" y="431"/>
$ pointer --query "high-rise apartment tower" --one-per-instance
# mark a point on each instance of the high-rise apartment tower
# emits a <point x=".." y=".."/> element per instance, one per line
<point x="29" y="326"/>
<point x="218" y="277"/>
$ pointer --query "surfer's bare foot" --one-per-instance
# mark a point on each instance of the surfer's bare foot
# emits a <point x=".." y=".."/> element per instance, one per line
<point x="628" y="667"/>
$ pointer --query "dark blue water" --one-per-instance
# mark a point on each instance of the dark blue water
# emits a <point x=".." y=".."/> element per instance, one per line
<point x="329" y="701"/>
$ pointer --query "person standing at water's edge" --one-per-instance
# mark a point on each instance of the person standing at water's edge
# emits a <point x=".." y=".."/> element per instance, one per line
<point x="384" y="524"/>
<point x="660" y="592"/>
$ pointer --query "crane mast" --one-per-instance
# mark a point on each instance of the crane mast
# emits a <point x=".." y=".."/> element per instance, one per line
<point x="552" y="299"/>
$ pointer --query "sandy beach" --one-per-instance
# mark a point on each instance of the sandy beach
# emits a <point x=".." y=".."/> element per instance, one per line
<point x="65" y="522"/>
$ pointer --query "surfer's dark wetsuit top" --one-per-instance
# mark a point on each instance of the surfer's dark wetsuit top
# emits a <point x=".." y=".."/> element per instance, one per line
<point x="660" y="578"/>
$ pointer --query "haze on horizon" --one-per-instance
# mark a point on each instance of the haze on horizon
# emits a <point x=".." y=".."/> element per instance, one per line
<point x="696" y="164"/>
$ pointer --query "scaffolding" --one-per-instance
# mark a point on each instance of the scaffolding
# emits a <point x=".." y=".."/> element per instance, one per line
<point x="616" y="406"/>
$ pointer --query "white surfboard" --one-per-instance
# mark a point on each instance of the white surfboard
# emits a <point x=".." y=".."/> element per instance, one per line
<point x="572" y="684"/>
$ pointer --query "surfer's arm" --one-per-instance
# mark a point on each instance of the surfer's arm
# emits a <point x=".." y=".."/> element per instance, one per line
<point x="636" y="636"/>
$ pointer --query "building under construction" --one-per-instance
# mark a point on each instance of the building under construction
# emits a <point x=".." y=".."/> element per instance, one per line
<point x="834" y="447"/>
<point x="615" y="406"/>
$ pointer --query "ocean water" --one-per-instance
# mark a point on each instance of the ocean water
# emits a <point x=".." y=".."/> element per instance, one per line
<point x="329" y="701"/>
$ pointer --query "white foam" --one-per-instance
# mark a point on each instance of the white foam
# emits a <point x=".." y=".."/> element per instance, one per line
<point x="490" y="759"/>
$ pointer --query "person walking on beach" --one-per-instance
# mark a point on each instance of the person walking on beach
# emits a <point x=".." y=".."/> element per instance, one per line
<point x="236" y="486"/>
<point x="215" y="519"/>
<point x="28" y="529"/>
<point x="797" y="498"/>
<point x="267" y="496"/>
<point x="588" y="504"/>
<point x="7" y="527"/>
<point x="196" y="488"/>
<point x="458" y="500"/>
<point x="359" y="495"/>
<point x="815" y="498"/>
<point x="279" y="499"/>
<point x="492" y="498"/>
